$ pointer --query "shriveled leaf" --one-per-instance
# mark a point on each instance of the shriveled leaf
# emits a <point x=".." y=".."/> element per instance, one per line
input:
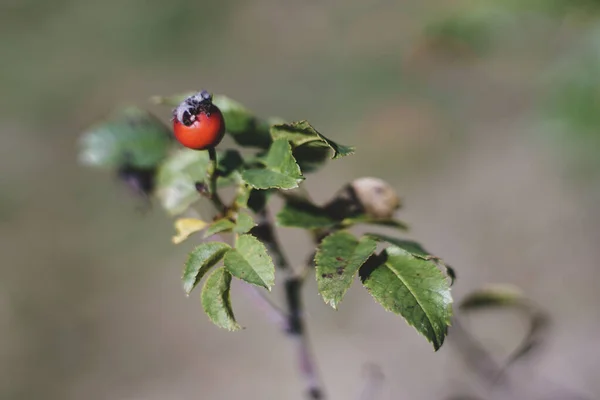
<point x="216" y="300"/>
<point x="130" y="136"/>
<point x="414" y="288"/>
<point x="220" y="225"/>
<point x="177" y="178"/>
<point x="250" y="262"/>
<point x="243" y="223"/>
<point x="493" y="296"/>
<point x="200" y="260"/>
<point x="281" y="170"/>
<point x="337" y="261"/>
<point x="298" y="213"/>
<point x="510" y="297"/>
<point x="302" y="133"/>
<point x="186" y="227"/>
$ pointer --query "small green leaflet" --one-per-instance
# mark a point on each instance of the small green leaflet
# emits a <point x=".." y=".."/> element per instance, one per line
<point x="243" y="223"/>
<point x="337" y="261"/>
<point x="220" y="225"/>
<point x="200" y="260"/>
<point x="281" y="170"/>
<point x="216" y="300"/>
<point x="302" y="133"/>
<point x="131" y="136"/>
<point x="414" y="288"/>
<point x="250" y="262"/>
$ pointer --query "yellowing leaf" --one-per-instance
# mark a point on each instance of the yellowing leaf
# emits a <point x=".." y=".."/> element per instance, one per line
<point x="186" y="227"/>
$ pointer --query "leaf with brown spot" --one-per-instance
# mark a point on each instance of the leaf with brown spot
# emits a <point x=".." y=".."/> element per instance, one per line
<point x="338" y="259"/>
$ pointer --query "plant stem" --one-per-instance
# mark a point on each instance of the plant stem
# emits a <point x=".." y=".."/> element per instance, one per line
<point x="295" y="327"/>
<point x="214" y="194"/>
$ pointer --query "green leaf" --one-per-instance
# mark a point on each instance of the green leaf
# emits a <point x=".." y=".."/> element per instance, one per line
<point x="302" y="133"/>
<point x="298" y="213"/>
<point x="281" y="170"/>
<point x="200" y="260"/>
<point x="216" y="300"/>
<point x="185" y="227"/>
<point x="220" y="225"/>
<point x="414" y="288"/>
<point x="131" y="136"/>
<point x="243" y="223"/>
<point x="338" y="259"/>
<point x="242" y="125"/>
<point x="250" y="262"/>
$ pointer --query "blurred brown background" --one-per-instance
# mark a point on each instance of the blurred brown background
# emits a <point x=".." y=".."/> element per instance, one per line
<point x="452" y="102"/>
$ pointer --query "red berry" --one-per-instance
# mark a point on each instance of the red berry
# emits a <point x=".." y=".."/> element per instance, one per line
<point x="205" y="130"/>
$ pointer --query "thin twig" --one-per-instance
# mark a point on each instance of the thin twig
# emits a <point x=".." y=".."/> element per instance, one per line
<point x="295" y="328"/>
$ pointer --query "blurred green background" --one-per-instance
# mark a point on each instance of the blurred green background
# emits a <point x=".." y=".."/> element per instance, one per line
<point x="483" y="114"/>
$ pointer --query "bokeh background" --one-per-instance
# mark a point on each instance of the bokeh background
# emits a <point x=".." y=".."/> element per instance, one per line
<point x="485" y="115"/>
